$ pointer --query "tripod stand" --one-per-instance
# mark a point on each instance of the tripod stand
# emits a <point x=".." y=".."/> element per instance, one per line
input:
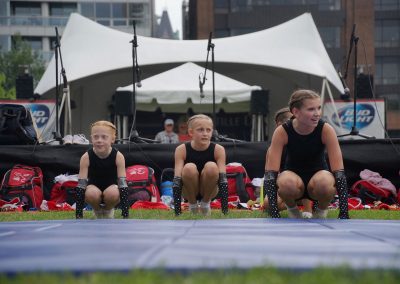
<point x="354" y="131"/>
<point x="215" y="135"/>
<point x="66" y="101"/>
<point x="136" y="74"/>
<point x="56" y="133"/>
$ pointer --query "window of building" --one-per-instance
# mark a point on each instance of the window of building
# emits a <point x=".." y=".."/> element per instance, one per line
<point x="119" y="10"/>
<point x="240" y="6"/>
<point x="34" y="42"/>
<point x="26" y="9"/>
<point x="387" y="70"/>
<point x="387" y="33"/>
<point x="387" y="5"/>
<point x="392" y="101"/>
<point x="4" y="42"/>
<point x="135" y="10"/>
<point x="3" y="8"/>
<point x="87" y="9"/>
<point x="52" y="42"/>
<point x="330" y="36"/>
<point x="221" y="4"/>
<point x="103" y="10"/>
<point x="329" y="5"/>
<point x="104" y="22"/>
<point x="62" y="9"/>
<point x="221" y="33"/>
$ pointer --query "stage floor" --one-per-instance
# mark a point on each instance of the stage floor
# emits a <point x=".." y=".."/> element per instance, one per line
<point x="189" y="245"/>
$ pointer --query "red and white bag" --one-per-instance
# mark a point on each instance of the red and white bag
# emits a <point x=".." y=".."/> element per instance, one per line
<point x="239" y="183"/>
<point x="142" y="184"/>
<point x="24" y="182"/>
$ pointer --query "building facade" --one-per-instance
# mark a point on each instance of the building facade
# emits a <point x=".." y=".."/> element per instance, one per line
<point x="377" y="29"/>
<point x="35" y="20"/>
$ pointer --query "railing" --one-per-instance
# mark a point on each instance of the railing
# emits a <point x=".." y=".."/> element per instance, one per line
<point x="61" y="21"/>
<point x="33" y="21"/>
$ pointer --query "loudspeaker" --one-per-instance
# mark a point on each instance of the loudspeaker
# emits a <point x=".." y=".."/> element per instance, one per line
<point x="363" y="87"/>
<point x="259" y="103"/>
<point x="24" y="87"/>
<point x="124" y="103"/>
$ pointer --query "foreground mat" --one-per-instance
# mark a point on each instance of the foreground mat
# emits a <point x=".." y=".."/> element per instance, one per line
<point x="123" y="245"/>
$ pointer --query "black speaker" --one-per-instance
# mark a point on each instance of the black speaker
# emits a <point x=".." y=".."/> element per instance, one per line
<point x="259" y="103"/>
<point x="124" y="103"/>
<point x="363" y="86"/>
<point x="24" y="87"/>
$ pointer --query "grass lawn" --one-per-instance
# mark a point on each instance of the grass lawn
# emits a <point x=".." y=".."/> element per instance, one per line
<point x="319" y="275"/>
<point x="169" y="215"/>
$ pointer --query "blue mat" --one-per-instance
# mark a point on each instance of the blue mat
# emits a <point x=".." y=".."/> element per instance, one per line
<point x="123" y="245"/>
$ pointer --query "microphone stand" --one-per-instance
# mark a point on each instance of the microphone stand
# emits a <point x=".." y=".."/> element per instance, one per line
<point x="354" y="131"/>
<point x="215" y="135"/>
<point x="133" y="134"/>
<point x="57" y="50"/>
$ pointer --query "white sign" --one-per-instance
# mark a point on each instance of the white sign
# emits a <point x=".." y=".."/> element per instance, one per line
<point x="370" y="118"/>
<point x="43" y="113"/>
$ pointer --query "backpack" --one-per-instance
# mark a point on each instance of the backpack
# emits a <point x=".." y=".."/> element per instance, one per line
<point x="142" y="184"/>
<point x="239" y="182"/>
<point x="16" y="125"/>
<point x="25" y="182"/>
<point x="64" y="192"/>
<point x="368" y="193"/>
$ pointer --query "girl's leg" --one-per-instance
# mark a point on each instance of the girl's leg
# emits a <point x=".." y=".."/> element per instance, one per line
<point x="190" y="189"/>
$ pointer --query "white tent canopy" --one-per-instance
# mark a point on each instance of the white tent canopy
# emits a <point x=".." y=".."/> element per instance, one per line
<point x="98" y="59"/>
<point x="180" y="85"/>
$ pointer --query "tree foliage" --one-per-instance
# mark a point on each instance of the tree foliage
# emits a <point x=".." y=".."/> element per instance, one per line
<point x="14" y="61"/>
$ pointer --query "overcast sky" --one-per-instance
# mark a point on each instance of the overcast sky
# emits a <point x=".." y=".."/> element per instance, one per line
<point x="174" y="8"/>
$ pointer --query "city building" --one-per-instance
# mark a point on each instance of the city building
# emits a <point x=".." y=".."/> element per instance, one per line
<point x="35" y="20"/>
<point x="376" y="25"/>
<point x="164" y="28"/>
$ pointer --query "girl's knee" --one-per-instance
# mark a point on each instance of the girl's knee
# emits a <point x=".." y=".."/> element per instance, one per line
<point x="111" y="194"/>
<point x="322" y="179"/>
<point x="92" y="195"/>
<point x="210" y="169"/>
<point x="288" y="182"/>
<point x="190" y="169"/>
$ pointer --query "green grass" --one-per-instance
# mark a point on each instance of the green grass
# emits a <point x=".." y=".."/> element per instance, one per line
<point x="321" y="275"/>
<point x="256" y="275"/>
<point x="169" y="215"/>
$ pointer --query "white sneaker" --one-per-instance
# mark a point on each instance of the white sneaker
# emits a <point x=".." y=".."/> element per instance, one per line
<point x="307" y="215"/>
<point x="294" y="213"/>
<point x="108" y="214"/>
<point x="98" y="214"/>
<point x="80" y="139"/>
<point x="206" y="211"/>
<point x="193" y="208"/>
<point x="67" y="139"/>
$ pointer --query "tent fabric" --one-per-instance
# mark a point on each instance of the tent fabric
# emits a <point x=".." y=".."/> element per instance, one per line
<point x="180" y="85"/>
<point x="89" y="48"/>
<point x="98" y="59"/>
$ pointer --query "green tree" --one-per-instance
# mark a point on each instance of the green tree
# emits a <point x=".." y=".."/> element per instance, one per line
<point x="11" y="62"/>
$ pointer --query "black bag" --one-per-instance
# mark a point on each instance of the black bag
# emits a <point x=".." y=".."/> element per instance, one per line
<point x="16" y="125"/>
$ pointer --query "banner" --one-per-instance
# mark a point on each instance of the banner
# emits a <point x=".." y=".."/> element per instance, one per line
<point x="43" y="114"/>
<point x="370" y="117"/>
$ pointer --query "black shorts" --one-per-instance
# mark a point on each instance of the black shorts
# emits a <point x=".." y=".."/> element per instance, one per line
<point x="305" y="177"/>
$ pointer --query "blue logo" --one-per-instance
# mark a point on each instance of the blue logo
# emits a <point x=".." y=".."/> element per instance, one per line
<point x="365" y="115"/>
<point x="41" y="114"/>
